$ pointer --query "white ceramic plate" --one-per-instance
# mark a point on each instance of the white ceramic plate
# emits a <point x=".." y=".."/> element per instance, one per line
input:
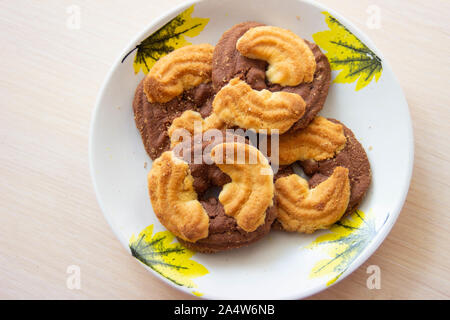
<point x="281" y="265"/>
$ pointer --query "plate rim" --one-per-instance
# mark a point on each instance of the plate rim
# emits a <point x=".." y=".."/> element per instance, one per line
<point x="374" y="244"/>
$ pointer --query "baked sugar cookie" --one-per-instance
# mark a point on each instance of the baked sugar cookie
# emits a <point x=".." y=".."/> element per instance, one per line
<point x="242" y="213"/>
<point x="336" y="185"/>
<point x="229" y="63"/>
<point x="177" y="82"/>
<point x="354" y="158"/>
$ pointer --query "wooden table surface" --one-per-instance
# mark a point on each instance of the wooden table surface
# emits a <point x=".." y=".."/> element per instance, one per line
<point x="50" y="219"/>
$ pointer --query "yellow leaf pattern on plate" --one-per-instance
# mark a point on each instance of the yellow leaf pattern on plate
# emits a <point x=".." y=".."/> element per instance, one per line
<point x="196" y="293"/>
<point x="168" y="38"/>
<point x="170" y="259"/>
<point x="348" y="54"/>
<point x="345" y="241"/>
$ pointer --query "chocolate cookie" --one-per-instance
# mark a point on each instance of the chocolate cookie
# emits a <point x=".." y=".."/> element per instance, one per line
<point x="154" y="119"/>
<point x="224" y="233"/>
<point x="228" y="63"/>
<point x="351" y="157"/>
<point x="354" y="158"/>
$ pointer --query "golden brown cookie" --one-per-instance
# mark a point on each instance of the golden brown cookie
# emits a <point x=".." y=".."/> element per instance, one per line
<point x="229" y="63"/>
<point x="354" y="158"/>
<point x="291" y="61"/>
<point x="321" y="139"/>
<point x="237" y="104"/>
<point x="303" y="209"/>
<point x="174" y="200"/>
<point x="187" y="85"/>
<point x="180" y="70"/>
<point x="230" y="228"/>
<point x="185" y="124"/>
<point x="251" y="190"/>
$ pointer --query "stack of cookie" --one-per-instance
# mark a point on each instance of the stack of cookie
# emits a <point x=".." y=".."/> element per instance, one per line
<point x="257" y="79"/>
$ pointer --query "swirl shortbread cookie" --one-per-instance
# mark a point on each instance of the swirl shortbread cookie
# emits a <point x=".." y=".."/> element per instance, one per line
<point x="185" y="125"/>
<point x="237" y="104"/>
<point x="244" y="210"/>
<point x="321" y="139"/>
<point x="290" y="60"/>
<point x="251" y="189"/>
<point x="327" y="179"/>
<point x="303" y="209"/>
<point x="354" y="158"/>
<point x="181" y="70"/>
<point x="180" y="87"/>
<point x="174" y="200"/>
<point x="229" y="63"/>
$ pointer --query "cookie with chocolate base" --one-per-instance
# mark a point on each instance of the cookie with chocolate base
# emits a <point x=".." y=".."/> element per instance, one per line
<point x="229" y="63"/>
<point x="154" y="119"/>
<point x="230" y="224"/>
<point x="351" y="157"/>
<point x="354" y="158"/>
<point x="177" y="82"/>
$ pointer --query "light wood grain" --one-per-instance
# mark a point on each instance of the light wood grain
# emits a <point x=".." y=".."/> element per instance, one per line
<point x="50" y="76"/>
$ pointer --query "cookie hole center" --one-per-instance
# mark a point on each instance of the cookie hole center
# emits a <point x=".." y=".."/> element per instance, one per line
<point x="299" y="171"/>
<point x="211" y="192"/>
